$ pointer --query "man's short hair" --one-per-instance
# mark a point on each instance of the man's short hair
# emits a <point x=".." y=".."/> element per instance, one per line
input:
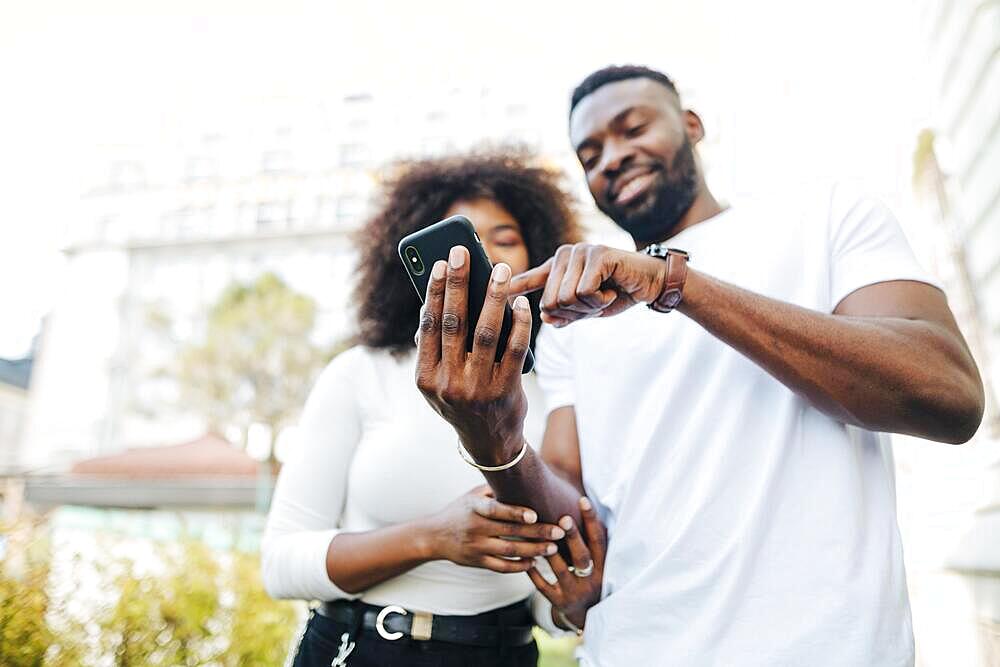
<point x="614" y="73"/>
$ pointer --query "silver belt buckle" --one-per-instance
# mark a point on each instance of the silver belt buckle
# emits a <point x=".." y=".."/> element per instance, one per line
<point x="380" y="620"/>
<point x="420" y="628"/>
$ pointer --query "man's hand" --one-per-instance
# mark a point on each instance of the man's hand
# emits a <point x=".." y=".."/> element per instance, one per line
<point x="570" y="593"/>
<point x="585" y="280"/>
<point x="482" y="399"/>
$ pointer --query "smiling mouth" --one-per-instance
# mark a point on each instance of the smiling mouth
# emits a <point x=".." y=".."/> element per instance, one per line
<point x="634" y="188"/>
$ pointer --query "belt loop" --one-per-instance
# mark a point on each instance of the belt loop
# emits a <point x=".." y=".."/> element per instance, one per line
<point x="359" y="619"/>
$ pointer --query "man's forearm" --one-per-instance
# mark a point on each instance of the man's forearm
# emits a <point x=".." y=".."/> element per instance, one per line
<point x="881" y="373"/>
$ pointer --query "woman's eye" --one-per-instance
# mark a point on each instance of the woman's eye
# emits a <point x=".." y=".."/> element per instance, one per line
<point x="508" y="240"/>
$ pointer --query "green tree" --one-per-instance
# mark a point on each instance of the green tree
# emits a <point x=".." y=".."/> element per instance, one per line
<point x="257" y="361"/>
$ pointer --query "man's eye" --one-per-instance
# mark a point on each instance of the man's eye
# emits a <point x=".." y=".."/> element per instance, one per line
<point x="635" y="130"/>
<point x="590" y="163"/>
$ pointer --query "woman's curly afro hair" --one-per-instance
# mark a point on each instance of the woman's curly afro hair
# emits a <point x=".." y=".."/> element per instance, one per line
<point x="417" y="194"/>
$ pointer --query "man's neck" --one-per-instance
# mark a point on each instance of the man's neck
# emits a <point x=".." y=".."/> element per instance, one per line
<point x="704" y="207"/>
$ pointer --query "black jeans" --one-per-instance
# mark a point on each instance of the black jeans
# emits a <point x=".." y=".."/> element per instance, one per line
<point x="321" y="642"/>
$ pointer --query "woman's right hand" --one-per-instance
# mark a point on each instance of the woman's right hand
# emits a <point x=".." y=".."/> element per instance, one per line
<point x="472" y="529"/>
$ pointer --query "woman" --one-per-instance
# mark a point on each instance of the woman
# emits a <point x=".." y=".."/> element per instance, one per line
<point x="375" y="516"/>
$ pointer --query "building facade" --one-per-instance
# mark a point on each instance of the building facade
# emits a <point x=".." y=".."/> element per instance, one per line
<point x="274" y="185"/>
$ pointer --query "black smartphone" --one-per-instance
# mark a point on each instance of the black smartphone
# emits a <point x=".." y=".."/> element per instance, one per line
<point x="421" y="249"/>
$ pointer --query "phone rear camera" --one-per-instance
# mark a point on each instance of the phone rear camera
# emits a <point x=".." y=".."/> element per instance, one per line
<point x="413" y="259"/>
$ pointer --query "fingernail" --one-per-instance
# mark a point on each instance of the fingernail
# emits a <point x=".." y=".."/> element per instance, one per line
<point x="521" y="302"/>
<point x="566" y="522"/>
<point x="456" y="258"/>
<point x="437" y="271"/>
<point x="585" y="504"/>
<point x="551" y="549"/>
<point x="530" y="517"/>
<point x="501" y="273"/>
<point x="558" y="533"/>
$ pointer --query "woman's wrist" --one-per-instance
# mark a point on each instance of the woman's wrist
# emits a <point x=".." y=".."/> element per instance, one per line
<point x="425" y="539"/>
<point x="495" y="450"/>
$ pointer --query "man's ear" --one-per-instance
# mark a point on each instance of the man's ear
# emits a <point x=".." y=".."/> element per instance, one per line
<point x="693" y="126"/>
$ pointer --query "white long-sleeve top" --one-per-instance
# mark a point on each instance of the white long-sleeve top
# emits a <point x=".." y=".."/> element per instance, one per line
<point x="373" y="453"/>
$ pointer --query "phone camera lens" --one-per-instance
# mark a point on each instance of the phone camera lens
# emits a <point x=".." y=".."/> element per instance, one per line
<point x="415" y="263"/>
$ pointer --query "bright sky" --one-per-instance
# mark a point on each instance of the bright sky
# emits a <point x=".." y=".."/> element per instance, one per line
<point x="823" y="88"/>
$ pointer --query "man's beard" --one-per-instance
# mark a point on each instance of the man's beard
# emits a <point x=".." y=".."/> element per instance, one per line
<point x="664" y="205"/>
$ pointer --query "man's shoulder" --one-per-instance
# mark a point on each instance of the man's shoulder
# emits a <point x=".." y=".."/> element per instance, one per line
<point x="805" y="197"/>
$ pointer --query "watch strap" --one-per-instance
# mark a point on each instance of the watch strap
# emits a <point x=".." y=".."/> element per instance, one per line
<point x="673" y="285"/>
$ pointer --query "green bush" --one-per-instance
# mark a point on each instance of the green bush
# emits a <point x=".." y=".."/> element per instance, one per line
<point x="203" y="609"/>
<point x="192" y="606"/>
<point x="32" y="631"/>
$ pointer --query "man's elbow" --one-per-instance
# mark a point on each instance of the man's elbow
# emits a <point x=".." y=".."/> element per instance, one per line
<point x="967" y="420"/>
<point x="956" y="411"/>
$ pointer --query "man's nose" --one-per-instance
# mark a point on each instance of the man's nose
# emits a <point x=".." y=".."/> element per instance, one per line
<point x="618" y="155"/>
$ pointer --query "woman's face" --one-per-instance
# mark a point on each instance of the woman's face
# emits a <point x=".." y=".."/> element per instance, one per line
<point x="498" y="230"/>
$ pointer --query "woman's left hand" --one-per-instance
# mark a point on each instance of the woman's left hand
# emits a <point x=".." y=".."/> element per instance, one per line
<point x="572" y="593"/>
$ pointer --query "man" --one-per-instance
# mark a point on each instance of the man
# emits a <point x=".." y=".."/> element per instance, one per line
<point x="732" y="448"/>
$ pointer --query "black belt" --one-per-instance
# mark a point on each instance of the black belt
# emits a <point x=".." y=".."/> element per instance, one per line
<point x="508" y="626"/>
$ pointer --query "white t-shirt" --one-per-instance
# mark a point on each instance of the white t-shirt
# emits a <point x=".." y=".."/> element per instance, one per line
<point x="746" y="527"/>
<point x="373" y="453"/>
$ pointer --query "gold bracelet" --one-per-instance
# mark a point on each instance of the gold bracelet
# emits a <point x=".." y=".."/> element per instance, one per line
<point x="468" y="459"/>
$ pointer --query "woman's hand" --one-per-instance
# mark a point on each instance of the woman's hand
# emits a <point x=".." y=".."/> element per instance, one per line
<point x="472" y="529"/>
<point x="571" y="593"/>
<point x="482" y="399"/>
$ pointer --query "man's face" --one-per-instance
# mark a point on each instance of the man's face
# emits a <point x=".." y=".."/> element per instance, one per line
<point x="631" y="138"/>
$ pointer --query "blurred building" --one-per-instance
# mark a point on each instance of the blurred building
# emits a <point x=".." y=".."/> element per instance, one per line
<point x="222" y="195"/>
<point x="957" y="172"/>
<point x="207" y="472"/>
<point x="15" y="380"/>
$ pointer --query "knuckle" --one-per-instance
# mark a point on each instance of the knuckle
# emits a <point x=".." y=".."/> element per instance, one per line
<point x="428" y="323"/>
<point x="564" y="249"/>
<point x="424" y="386"/>
<point x="486" y="336"/>
<point x="456" y="280"/>
<point x="449" y="394"/>
<point x="517" y="348"/>
<point x="451" y="324"/>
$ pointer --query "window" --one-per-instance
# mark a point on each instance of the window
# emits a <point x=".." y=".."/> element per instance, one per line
<point x="276" y="162"/>
<point x="200" y="168"/>
<point x="126" y="175"/>
<point x="187" y="222"/>
<point x="273" y="215"/>
<point x="353" y="155"/>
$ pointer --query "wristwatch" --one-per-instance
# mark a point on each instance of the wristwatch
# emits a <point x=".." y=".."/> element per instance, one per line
<point x="673" y="286"/>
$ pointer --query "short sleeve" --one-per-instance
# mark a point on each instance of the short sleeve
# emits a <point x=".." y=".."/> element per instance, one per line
<point x="554" y="367"/>
<point x="867" y="245"/>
